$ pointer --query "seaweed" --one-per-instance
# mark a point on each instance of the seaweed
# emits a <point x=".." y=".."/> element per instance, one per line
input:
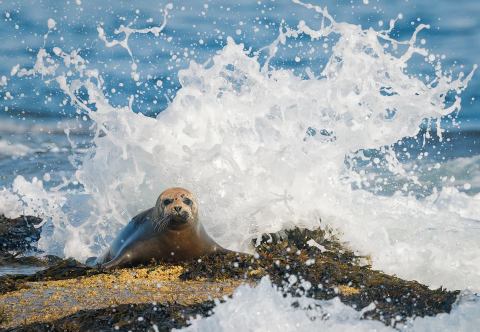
<point x="300" y="268"/>
<point x="298" y="261"/>
<point x="125" y="317"/>
<point x="60" y="269"/>
<point x="3" y="315"/>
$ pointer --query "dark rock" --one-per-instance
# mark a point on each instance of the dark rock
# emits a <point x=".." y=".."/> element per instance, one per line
<point x="126" y="317"/>
<point x="20" y="234"/>
<point x="65" y="269"/>
<point x="3" y="316"/>
<point x="60" y="269"/>
<point x="323" y="269"/>
<point x="217" y="266"/>
<point x="334" y="272"/>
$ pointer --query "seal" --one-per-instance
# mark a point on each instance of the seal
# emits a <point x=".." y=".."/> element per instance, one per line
<point x="168" y="232"/>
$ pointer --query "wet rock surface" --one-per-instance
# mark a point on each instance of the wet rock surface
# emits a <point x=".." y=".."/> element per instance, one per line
<point x="3" y="316"/>
<point x="57" y="269"/>
<point x="18" y="238"/>
<point x="126" y="317"/>
<point x="43" y="302"/>
<point x="18" y="235"/>
<point x="304" y="262"/>
<point x="298" y="261"/>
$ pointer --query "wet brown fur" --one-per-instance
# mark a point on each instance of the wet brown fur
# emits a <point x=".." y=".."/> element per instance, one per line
<point x="170" y="231"/>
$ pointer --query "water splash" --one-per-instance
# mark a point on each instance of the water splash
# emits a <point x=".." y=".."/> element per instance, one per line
<point x="263" y="308"/>
<point x="128" y="31"/>
<point x="264" y="149"/>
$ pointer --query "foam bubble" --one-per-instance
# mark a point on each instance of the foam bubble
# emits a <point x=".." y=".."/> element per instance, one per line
<point x="51" y="23"/>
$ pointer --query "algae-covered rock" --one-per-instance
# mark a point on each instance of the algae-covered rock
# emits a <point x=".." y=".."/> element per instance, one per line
<point x="71" y="296"/>
<point x="3" y="316"/>
<point x="331" y="274"/>
<point x="304" y="262"/>
<point x="48" y="300"/>
<point x="60" y="269"/>
<point x="9" y="284"/>
<point x="125" y="317"/>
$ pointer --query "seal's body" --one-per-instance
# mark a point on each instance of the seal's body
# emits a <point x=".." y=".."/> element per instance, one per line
<point x="168" y="232"/>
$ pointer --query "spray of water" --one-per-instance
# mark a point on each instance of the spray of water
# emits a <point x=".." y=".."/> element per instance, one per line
<point x="264" y="149"/>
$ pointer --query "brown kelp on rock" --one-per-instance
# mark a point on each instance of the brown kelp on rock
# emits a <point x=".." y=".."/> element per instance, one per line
<point x="312" y="263"/>
<point x="301" y="262"/>
<point x="125" y="317"/>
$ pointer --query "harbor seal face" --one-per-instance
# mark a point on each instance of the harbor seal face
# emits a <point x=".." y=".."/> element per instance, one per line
<point x="177" y="208"/>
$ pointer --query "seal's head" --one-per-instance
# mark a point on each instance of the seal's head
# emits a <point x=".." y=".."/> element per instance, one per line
<point x="177" y="207"/>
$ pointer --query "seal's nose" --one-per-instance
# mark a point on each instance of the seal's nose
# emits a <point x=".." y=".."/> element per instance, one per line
<point x="177" y="208"/>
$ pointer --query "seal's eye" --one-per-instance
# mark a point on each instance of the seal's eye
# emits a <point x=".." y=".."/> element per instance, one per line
<point x="188" y="201"/>
<point x="167" y="202"/>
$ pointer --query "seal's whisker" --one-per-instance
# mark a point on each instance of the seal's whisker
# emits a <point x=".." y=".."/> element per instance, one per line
<point x="161" y="224"/>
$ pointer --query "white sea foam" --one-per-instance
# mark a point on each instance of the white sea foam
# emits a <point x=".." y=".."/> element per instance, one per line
<point x="464" y="317"/>
<point x="30" y="198"/>
<point x="10" y="204"/>
<point x="263" y="308"/>
<point x="14" y="149"/>
<point x="463" y="173"/>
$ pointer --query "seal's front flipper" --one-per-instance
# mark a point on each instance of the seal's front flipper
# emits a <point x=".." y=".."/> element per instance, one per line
<point x="119" y="261"/>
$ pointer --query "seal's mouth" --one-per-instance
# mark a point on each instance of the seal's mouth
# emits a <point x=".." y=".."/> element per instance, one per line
<point x="173" y="220"/>
<point x="177" y="223"/>
<point x="182" y="219"/>
<point x="179" y="218"/>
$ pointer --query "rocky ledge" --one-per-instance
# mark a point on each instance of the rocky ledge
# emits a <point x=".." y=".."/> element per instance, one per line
<point x="69" y="296"/>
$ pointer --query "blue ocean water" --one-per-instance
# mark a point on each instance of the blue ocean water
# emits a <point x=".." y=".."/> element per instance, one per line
<point x="196" y="30"/>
